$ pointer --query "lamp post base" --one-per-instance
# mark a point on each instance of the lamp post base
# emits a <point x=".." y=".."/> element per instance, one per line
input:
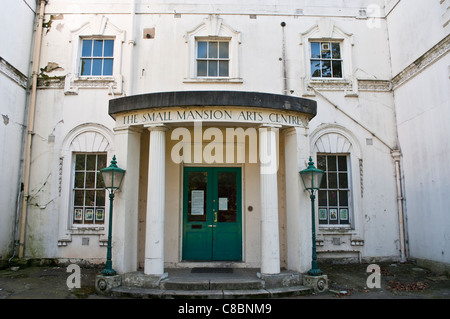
<point x="105" y="284"/>
<point x="108" y="272"/>
<point x="317" y="283"/>
<point x="315" y="272"/>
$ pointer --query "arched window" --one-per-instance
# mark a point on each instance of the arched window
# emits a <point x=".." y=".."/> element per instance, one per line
<point x="338" y="154"/>
<point x="85" y="151"/>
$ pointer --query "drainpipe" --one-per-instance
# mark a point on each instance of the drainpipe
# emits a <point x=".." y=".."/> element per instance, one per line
<point x="396" y="156"/>
<point x="30" y="133"/>
<point x="131" y="44"/>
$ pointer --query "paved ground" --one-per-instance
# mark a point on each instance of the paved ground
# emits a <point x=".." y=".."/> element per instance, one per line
<point x="349" y="281"/>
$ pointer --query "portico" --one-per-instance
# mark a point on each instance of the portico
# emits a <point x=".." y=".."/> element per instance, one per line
<point x="214" y="171"/>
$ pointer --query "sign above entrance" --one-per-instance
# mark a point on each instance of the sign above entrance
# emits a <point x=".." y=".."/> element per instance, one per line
<point x="230" y="115"/>
<point x="212" y="106"/>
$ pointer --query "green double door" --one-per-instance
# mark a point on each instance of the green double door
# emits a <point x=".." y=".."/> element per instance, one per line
<point x="212" y="214"/>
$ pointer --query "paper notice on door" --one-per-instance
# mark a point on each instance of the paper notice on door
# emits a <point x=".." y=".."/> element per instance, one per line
<point x="223" y="203"/>
<point x="197" y="202"/>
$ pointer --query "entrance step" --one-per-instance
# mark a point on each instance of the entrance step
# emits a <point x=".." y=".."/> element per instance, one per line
<point x="183" y="283"/>
<point x="136" y="292"/>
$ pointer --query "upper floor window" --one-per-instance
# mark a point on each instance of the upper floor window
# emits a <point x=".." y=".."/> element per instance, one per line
<point x="97" y="57"/>
<point x="213" y="52"/>
<point x="326" y="60"/>
<point x="213" y="58"/>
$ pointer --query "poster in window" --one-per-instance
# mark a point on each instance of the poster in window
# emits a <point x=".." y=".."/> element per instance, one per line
<point x="197" y="202"/>
<point x="89" y="214"/>
<point x="323" y="214"/>
<point x="99" y="214"/>
<point x="78" y="214"/>
<point x="223" y="203"/>
<point x="333" y="214"/>
<point x="343" y="214"/>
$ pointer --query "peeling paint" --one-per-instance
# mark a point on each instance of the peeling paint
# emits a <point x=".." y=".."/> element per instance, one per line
<point x="5" y="119"/>
<point x="48" y="25"/>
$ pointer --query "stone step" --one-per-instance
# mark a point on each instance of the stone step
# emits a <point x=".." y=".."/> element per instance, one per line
<point x="211" y="284"/>
<point x="136" y="292"/>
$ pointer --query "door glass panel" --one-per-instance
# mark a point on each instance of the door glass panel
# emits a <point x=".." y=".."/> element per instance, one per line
<point x="197" y="196"/>
<point x="227" y="201"/>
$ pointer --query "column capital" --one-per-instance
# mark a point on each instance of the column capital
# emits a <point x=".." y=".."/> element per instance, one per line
<point x="156" y="127"/>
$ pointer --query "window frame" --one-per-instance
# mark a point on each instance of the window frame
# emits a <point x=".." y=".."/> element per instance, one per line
<point x="331" y="59"/>
<point x="209" y="59"/>
<point x="338" y="189"/>
<point x="93" y="57"/>
<point x="213" y="29"/>
<point x="97" y="27"/>
<point x="84" y="189"/>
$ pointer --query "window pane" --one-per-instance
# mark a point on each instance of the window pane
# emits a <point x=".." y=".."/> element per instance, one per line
<point x="90" y="162"/>
<point x="212" y="68"/>
<point x="90" y="198"/>
<point x="223" y="68"/>
<point x="197" y="184"/>
<point x="79" y="198"/>
<point x="98" y="48"/>
<point x="343" y="198"/>
<point x="97" y="67"/>
<point x="332" y="198"/>
<point x="101" y="162"/>
<point x="336" y="50"/>
<point x="87" y="48"/>
<point x="331" y="163"/>
<point x="202" y="50"/>
<point x="90" y="179"/>
<point x="321" y="162"/>
<point x="80" y="162"/>
<point x="213" y="50"/>
<point x="337" y="69"/>
<point x="342" y="163"/>
<point x="108" y="48"/>
<point x="326" y="52"/>
<point x="226" y="188"/>
<point x="100" y="198"/>
<point x="326" y="69"/>
<point x="343" y="180"/>
<point x="107" y="66"/>
<point x="85" y="66"/>
<point x="323" y="198"/>
<point x="332" y="180"/>
<point x="201" y="68"/>
<point x="223" y="50"/>
<point x="100" y="183"/>
<point x="79" y="180"/>
<point x="315" y="69"/>
<point x="315" y="50"/>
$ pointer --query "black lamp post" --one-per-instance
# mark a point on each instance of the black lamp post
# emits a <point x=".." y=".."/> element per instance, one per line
<point x="312" y="177"/>
<point x="112" y="178"/>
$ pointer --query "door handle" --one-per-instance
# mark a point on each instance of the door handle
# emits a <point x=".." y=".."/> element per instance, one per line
<point x="215" y="217"/>
<point x="211" y="225"/>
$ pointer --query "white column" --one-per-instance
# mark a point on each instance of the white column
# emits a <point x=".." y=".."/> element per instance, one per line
<point x="270" y="243"/>
<point x="154" y="233"/>
<point x="125" y="210"/>
<point x="298" y="203"/>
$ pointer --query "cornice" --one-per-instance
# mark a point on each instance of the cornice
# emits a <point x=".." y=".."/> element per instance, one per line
<point x="11" y="72"/>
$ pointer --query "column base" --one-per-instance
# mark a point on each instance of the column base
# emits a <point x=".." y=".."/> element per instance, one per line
<point x="317" y="283"/>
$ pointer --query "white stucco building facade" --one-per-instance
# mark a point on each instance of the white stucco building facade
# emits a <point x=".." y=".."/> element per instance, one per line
<point x="213" y="109"/>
